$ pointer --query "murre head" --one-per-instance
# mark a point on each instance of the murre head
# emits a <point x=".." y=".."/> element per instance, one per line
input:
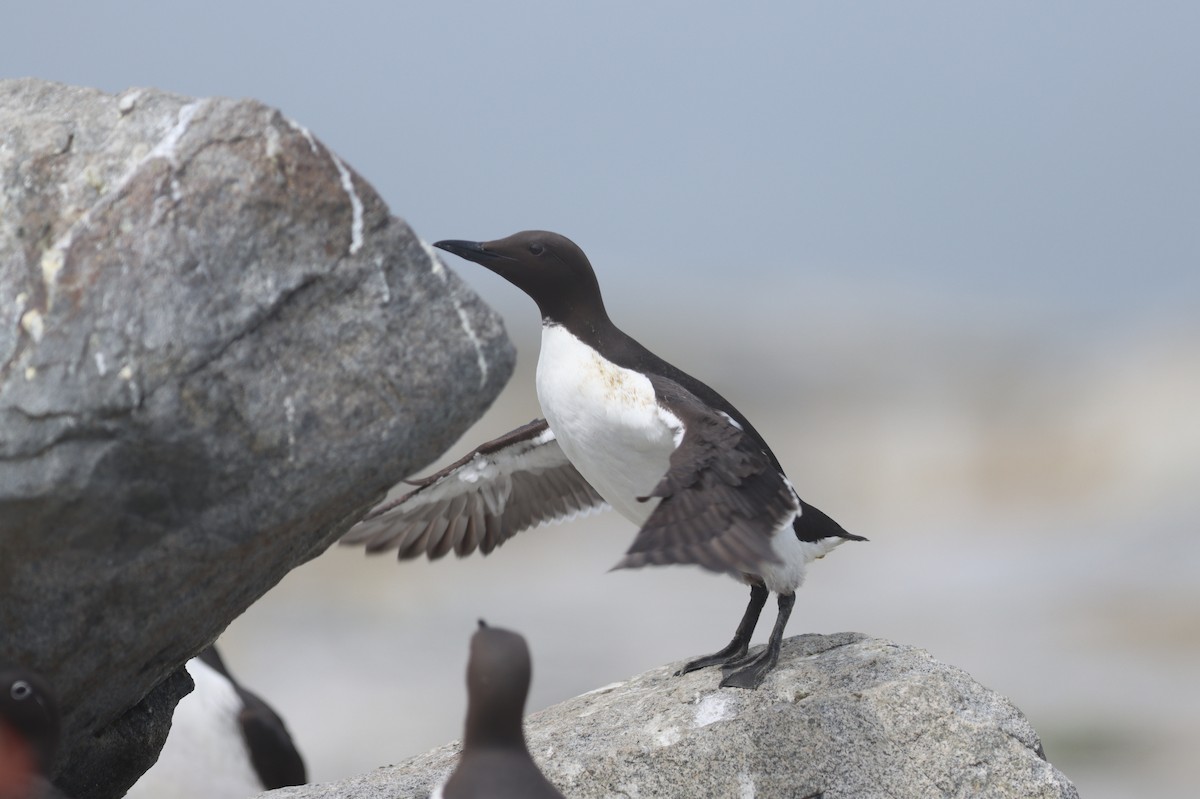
<point x="548" y="267"/>
<point x="30" y="724"/>
<point x="498" y="675"/>
<point x="495" y="762"/>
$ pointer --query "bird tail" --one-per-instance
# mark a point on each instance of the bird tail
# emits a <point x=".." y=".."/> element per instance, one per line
<point x="812" y="524"/>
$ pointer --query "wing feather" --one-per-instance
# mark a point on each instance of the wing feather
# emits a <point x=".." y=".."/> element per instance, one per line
<point x="722" y="498"/>
<point x="517" y="481"/>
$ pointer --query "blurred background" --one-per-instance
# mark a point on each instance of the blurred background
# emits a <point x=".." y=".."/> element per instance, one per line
<point x="945" y="256"/>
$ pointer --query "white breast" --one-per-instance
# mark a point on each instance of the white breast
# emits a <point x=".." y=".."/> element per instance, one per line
<point x="205" y="754"/>
<point x="606" y="420"/>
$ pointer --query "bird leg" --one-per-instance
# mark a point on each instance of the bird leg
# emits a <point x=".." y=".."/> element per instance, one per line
<point x="750" y="672"/>
<point x="740" y="644"/>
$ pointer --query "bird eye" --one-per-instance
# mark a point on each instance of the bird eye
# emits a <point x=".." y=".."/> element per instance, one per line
<point x="20" y="690"/>
<point x="536" y="248"/>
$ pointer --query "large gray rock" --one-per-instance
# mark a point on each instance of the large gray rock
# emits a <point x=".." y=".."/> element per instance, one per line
<point x="843" y="717"/>
<point x="217" y="347"/>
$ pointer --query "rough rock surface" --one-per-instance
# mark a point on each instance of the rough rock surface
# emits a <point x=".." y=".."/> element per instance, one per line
<point x="217" y="347"/>
<point x="842" y="717"/>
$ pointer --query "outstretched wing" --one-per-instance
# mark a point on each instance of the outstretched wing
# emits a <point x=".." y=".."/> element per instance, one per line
<point x="722" y="497"/>
<point x="507" y="485"/>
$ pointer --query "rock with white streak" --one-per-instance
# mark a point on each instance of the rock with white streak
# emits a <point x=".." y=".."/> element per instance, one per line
<point x="217" y="347"/>
<point x="842" y="717"/>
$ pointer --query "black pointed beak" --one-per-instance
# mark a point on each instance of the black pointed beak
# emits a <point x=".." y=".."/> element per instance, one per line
<point x="470" y="250"/>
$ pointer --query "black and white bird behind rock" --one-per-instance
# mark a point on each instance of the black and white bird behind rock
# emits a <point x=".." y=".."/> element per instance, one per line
<point x="225" y="742"/>
<point x="625" y="429"/>
<point x="30" y="728"/>
<point x="495" y="762"/>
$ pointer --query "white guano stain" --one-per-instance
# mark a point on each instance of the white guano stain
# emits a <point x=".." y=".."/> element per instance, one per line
<point x="128" y="101"/>
<point x="667" y="736"/>
<point x="167" y="144"/>
<point x="51" y="264"/>
<point x="305" y="132"/>
<point x="356" y="206"/>
<point x="745" y="786"/>
<point x="32" y="324"/>
<point x="272" y="141"/>
<point x="101" y="366"/>
<point x="135" y="391"/>
<point x="383" y="278"/>
<point x="711" y="709"/>
<point x="440" y="270"/>
<point x="289" y="413"/>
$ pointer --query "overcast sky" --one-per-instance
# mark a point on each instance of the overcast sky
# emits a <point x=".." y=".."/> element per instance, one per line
<point x="1009" y="152"/>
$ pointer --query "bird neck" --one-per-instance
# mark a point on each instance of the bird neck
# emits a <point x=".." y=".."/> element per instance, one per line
<point x="495" y="723"/>
<point x="575" y="305"/>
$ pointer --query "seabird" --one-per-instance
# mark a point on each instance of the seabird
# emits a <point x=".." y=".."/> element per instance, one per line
<point x="625" y="429"/>
<point x="225" y="742"/>
<point x="495" y="761"/>
<point x="30" y="726"/>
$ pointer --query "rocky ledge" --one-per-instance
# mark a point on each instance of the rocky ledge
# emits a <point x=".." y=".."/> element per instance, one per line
<point x="843" y="716"/>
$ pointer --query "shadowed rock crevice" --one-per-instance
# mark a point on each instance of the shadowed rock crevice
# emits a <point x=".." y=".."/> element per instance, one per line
<point x="217" y="347"/>
<point x="843" y="716"/>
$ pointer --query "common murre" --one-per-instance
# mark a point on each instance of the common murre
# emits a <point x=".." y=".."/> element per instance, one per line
<point x="623" y="428"/>
<point x="225" y="742"/>
<point x="495" y="762"/>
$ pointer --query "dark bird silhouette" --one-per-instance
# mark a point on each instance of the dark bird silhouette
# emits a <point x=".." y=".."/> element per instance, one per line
<point x="495" y="761"/>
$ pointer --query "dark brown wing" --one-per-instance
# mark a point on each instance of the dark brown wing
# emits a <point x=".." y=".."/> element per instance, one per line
<point x="722" y="497"/>
<point x="507" y="485"/>
<point x="272" y="751"/>
<point x="271" y="748"/>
